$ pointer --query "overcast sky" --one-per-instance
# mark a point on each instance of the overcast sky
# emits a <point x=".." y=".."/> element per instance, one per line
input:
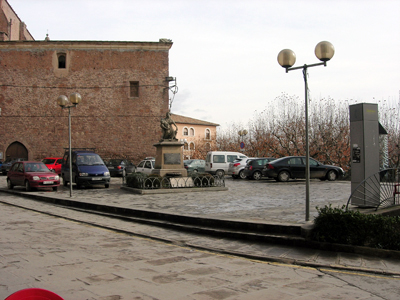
<point x="224" y="55"/>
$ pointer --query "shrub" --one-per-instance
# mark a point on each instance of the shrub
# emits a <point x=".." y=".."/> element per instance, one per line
<point x="337" y="225"/>
<point x="136" y="180"/>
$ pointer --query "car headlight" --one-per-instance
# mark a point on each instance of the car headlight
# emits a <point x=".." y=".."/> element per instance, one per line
<point x="56" y="177"/>
<point x="83" y="174"/>
<point x="35" y="177"/>
<point x="106" y="173"/>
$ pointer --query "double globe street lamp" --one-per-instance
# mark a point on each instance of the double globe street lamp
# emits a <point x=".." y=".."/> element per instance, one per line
<point x="324" y="51"/>
<point x="74" y="99"/>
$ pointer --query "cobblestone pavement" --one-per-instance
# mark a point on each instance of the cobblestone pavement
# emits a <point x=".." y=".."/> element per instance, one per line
<point x="264" y="200"/>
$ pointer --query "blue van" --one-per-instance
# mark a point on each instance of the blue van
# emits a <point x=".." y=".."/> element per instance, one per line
<point x="88" y="168"/>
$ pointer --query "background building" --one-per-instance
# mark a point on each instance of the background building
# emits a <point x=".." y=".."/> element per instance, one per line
<point x="195" y="133"/>
<point x="11" y="27"/>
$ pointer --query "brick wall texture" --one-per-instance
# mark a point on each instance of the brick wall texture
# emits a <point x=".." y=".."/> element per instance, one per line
<point x="107" y="119"/>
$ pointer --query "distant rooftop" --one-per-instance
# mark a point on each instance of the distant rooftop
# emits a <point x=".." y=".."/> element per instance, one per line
<point x="187" y="120"/>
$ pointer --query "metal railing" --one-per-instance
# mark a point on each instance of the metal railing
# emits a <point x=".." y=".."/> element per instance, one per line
<point x="380" y="190"/>
<point x="197" y="181"/>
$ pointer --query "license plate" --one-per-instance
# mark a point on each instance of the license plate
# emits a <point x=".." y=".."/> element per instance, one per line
<point x="97" y="178"/>
<point x="48" y="182"/>
<point x="110" y="167"/>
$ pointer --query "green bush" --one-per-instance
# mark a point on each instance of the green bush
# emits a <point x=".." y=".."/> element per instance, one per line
<point x="136" y="180"/>
<point x="336" y="225"/>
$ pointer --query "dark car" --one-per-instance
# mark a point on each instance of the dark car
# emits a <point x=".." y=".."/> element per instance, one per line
<point x="32" y="174"/>
<point x="282" y="169"/>
<point x="195" y="165"/>
<point x="254" y="167"/>
<point x="8" y="163"/>
<point x="120" y="166"/>
<point x="88" y="169"/>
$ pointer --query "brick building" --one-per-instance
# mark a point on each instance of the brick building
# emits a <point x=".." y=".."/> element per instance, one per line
<point x="123" y="85"/>
<point x="11" y="27"/>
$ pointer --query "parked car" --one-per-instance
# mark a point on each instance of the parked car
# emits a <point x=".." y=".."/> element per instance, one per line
<point x="284" y="168"/>
<point x="88" y="168"/>
<point x="53" y="163"/>
<point x="217" y="162"/>
<point x="195" y="165"/>
<point x="236" y="167"/>
<point x="120" y="166"/>
<point x="146" y="165"/>
<point x="254" y="167"/>
<point x="8" y="163"/>
<point x="32" y="174"/>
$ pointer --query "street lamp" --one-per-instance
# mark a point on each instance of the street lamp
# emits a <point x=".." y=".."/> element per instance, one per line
<point x="62" y="100"/>
<point x="324" y="51"/>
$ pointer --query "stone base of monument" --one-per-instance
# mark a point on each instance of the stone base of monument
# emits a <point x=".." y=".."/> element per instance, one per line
<point x="174" y="178"/>
<point x="169" y="159"/>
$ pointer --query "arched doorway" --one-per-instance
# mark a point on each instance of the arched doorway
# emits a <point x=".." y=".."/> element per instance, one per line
<point x="16" y="150"/>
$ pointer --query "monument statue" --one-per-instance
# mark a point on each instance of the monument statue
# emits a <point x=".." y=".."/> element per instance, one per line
<point x="169" y="133"/>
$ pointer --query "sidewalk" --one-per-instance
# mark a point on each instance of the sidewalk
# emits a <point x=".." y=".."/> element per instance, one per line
<point x="251" y="201"/>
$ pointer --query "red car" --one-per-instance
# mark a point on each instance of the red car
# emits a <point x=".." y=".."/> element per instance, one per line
<point x="53" y="163"/>
<point x="32" y="174"/>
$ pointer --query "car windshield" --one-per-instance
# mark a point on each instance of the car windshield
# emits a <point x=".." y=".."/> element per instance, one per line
<point x="36" y="167"/>
<point x="89" y="160"/>
<point x="48" y="161"/>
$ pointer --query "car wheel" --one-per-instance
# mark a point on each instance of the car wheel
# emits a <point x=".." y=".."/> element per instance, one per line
<point x="220" y="173"/>
<point x="331" y="175"/>
<point x="65" y="183"/>
<point x="10" y="186"/>
<point x="257" y="175"/>
<point x="242" y="175"/>
<point x="54" y="188"/>
<point x="27" y="186"/>
<point x="106" y="185"/>
<point x="283" y="176"/>
<point x="78" y="186"/>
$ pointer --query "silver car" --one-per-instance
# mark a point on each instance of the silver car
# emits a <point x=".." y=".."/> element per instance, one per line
<point x="236" y="167"/>
<point x="146" y="165"/>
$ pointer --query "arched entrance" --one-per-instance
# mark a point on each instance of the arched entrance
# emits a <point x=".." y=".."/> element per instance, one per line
<point x="17" y="150"/>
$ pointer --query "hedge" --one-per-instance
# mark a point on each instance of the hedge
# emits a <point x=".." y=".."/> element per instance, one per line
<point x="337" y="225"/>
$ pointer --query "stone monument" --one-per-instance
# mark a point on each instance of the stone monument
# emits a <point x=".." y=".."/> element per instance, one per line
<point x="169" y="153"/>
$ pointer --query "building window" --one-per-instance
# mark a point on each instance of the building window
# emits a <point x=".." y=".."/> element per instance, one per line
<point x="186" y="146"/>
<point x="62" y="61"/>
<point x="191" y="131"/>
<point x="134" y="89"/>
<point x="185" y="131"/>
<point x="192" y="147"/>
<point x="208" y="147"/>
<point x="208" y="134"/>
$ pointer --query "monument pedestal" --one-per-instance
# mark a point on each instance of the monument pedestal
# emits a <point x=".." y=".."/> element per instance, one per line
<point x="169" y="158"/>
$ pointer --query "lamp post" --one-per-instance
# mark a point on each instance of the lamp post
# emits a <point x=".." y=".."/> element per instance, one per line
<point x="324" y="51"/>
<point x="62" y="100"/>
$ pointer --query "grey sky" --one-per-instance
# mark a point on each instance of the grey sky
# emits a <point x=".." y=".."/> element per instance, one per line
<point x="225" y="52"/>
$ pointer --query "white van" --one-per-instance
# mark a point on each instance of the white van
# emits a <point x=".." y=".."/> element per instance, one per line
<point x="217" y="162"/>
